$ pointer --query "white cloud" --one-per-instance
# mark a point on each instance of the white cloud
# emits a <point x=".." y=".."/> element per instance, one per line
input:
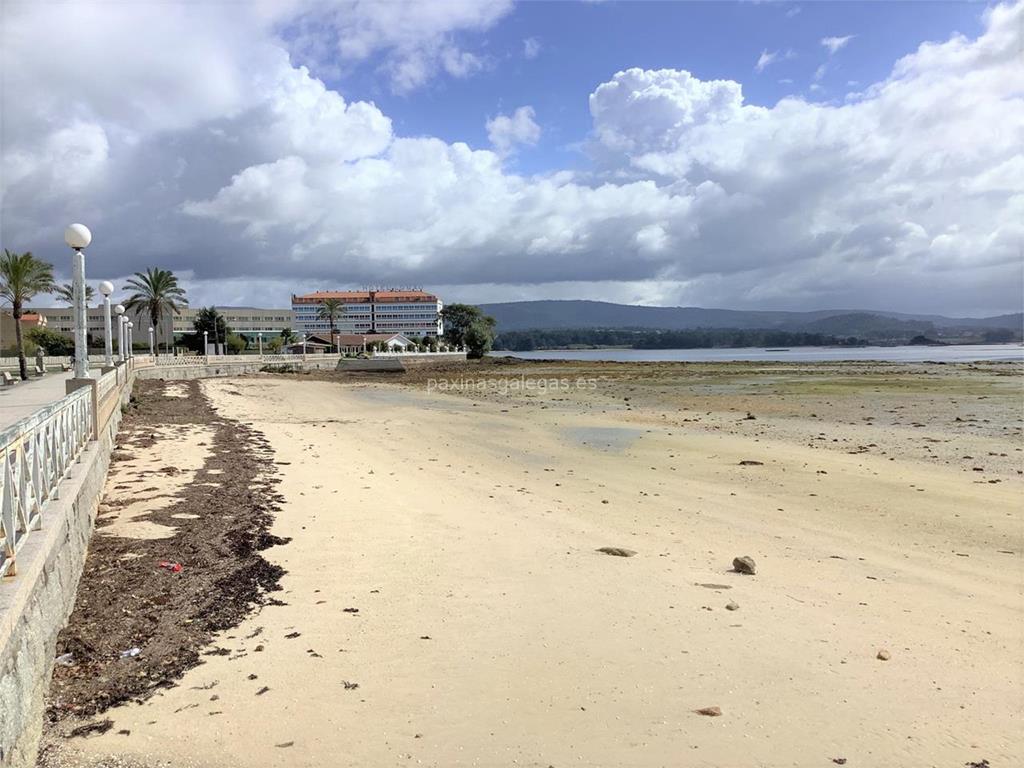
<point x="417" y="39"/>
<point x="531" y="48"/>
<point x="835" y="44"/>
<point x="507" y="131"/>
<point x="767" y="58"/>
<point x="238" y="167"/>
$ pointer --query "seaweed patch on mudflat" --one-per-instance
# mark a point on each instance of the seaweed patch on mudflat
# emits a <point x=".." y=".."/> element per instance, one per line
<point x="175" y="556"/>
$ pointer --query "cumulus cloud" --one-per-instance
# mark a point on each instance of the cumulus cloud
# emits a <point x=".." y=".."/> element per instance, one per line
<point x="241" y="169"/>
<point x="835" y="44"/>
<point x="507" y="131"/>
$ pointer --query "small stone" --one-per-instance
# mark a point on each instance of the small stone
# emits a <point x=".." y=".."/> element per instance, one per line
<point x="732" y="607"/>
<point x="744" y="565"/>
<point x="617" y="551"/>
<point x="751" y="463"/>
<point x="709" y="711"/>
<point x="883" y="655"/>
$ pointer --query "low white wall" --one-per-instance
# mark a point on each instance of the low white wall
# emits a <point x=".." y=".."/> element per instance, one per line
<point x="35" y="604"/>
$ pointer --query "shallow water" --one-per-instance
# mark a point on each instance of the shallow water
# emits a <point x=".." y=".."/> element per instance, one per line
<point x="962" y="353"/>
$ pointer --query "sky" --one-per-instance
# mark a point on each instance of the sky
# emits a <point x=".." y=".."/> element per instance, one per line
<point x="756" y="155"/>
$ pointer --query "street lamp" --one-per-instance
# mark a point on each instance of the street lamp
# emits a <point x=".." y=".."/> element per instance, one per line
<point x="78" y="236"/>
<point x="206" y="344"/>
<point x="107" y="288"/>
<point x="260" y="336"/>
<point x="121" y="320"/>
<point x="151" y="341"/>
<point x="303" y="345"/>
<point x="131" y="349"/>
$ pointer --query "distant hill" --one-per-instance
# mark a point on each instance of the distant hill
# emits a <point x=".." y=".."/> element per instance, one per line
<point x="530" y="315"/>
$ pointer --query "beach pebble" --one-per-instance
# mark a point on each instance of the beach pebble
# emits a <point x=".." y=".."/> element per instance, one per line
<point x="617" y="551"/>
<point x="744" y="564"/>
<point x="732" y="606"/>
<point x="883" y="655"/>
<point x="709" y="711"/>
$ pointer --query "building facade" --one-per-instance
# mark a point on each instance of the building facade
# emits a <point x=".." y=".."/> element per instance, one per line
<point x="412" y="312"/>
<point x="62" y="320"/>
<point x="247" y="321"/>
<point x="8" y="334"/>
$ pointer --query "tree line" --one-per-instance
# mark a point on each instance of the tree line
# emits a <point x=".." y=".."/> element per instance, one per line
<point x="696" y="338"/>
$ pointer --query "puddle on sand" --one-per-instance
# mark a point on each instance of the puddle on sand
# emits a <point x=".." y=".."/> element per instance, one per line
<point x="604" y="438"/>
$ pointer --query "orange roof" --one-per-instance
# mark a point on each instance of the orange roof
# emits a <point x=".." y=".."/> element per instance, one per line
<point x="357" y="296"/>
<point x="388" y="295"/>
<point x="30" y="317"/>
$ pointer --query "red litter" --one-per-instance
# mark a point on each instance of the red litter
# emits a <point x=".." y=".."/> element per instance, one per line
<point x="172" y="567"/>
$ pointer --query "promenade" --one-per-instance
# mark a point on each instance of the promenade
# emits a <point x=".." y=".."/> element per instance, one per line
<point x="23" y="398"/>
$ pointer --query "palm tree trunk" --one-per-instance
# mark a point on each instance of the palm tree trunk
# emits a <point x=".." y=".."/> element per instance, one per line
<point x="16" y="311"/>
<point x="154" y="321"/>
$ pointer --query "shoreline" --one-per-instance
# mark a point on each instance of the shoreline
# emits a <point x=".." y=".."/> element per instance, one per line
<point x="444" y="599"/>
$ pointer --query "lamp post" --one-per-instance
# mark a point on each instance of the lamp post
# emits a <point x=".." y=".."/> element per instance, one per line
<point x="121" y="320"/>
<point x="206" y="344"/>
<point x="260" y="336"/>
<point x="151" y="341"/>
<point x="107" y="288"/>
<point x="78" y="237"/>
<point x="303" y="346"/>
<point x="131" y="349"/>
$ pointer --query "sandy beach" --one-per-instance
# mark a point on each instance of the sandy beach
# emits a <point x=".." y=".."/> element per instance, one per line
<point x="444" y="602"/>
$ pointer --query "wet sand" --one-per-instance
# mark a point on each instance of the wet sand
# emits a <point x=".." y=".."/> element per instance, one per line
<point x="444" y="602"/>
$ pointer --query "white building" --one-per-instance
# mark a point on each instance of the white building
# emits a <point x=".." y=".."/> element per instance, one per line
<point x="243" y="320"/>
<point x="413" y="313"/>
<point x="247" y="321"/>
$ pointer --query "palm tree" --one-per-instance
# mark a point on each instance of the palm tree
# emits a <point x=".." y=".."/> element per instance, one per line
<point x="66" y="293"/>
<point x="329" y="311"/>
<point x="156" y="292"/>
<point x="22" y="276"/>
<point x="287" y="336"/>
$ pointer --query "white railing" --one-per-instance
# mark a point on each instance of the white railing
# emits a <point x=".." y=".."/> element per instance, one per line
<point x="181" y="359"/>
<point x="37" y="453"/>
<point x="400" y="352"/>
<point x="186" y="360"/>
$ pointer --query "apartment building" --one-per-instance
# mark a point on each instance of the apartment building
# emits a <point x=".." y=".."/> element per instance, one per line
<point x="244" y="320"/>
<point x="247" y="321"/>
<point x="62" y="320"/>
<point x="409" y="312"/>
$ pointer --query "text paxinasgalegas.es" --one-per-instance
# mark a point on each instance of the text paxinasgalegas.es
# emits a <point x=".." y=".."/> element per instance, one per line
<point x="506" y="385"/>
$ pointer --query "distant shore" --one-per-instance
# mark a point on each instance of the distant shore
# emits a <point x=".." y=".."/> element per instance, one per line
<point x="883" y="353"/>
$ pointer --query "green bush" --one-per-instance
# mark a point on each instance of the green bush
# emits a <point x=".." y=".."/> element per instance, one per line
<point x="54" y="343"/>
<point x="236" y="344"/>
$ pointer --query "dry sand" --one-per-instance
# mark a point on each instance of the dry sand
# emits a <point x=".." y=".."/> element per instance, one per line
<point x="445" y="605"/>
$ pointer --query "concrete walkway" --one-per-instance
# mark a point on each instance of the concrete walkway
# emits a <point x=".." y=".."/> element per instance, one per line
<point x="22" y="398"/>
